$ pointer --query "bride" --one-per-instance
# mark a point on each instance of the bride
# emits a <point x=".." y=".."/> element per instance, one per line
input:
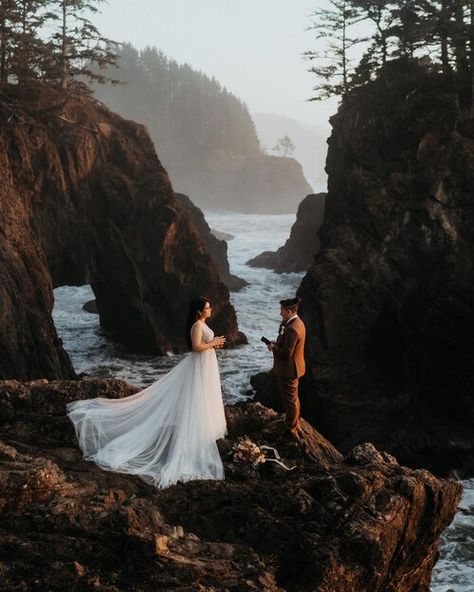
<point x="167" y="432"/>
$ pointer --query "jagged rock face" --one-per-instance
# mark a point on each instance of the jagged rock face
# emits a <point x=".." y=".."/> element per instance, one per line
<point x="298" y="253"/>
<point x="389" y="301"/>
<point x="216" y="247"/>
<point x="360" y="522"/>
<point x="84" y="199"/>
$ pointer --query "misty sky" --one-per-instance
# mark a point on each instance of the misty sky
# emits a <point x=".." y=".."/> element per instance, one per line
<point x="253" y="47"/>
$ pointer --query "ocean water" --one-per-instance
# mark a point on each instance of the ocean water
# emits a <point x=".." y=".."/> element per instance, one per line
<point x="258" y="314"/>
<point x="257" y="307"/>
<point x="455" y="568"/>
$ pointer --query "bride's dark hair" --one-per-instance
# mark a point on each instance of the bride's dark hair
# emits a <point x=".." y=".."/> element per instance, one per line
<point x="195" y="309"/>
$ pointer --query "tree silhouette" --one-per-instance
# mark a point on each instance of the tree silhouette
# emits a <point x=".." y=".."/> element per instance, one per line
<point x="284" y="147"/>
<point x="77" y="45"/>
<point x="435" y="34"/>
<point x="332" y="65"/>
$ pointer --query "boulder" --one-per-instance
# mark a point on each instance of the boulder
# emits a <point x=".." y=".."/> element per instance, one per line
<point x="360" y="522"/>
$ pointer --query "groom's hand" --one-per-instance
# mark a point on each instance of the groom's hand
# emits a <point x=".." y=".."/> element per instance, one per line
<point x="270" y="346"/>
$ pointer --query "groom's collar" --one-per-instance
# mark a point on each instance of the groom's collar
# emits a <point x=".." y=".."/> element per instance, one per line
<point x="291" y="319"/>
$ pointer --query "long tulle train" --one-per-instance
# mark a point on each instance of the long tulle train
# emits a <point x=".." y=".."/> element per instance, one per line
<point x="165" y="433"/>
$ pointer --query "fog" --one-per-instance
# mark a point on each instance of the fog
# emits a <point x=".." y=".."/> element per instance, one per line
<point x="253" y="47"/>
<point x="255" y="50"/>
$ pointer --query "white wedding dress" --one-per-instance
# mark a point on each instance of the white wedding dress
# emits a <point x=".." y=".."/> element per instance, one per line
<point x="165" y="433"/>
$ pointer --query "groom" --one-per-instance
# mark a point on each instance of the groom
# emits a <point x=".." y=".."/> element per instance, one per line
<point x="288" y="361"/>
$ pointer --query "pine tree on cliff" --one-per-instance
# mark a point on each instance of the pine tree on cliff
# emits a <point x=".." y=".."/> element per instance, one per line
<point x="284" y="146"/>
<point x="333" y="64"/>
<point x="408" y="28"/>
<point x="77" y="44"/>
<point x="29" y="50"/>
<point x="437" y="18"/>
<point x="436" y="34"/>
<point x="382" y="16"/>
<point x="9" y="18"/>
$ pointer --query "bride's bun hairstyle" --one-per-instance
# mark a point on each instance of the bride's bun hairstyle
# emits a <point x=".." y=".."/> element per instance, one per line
<point x="291" y="304"/>
<point x="195" y="309"/>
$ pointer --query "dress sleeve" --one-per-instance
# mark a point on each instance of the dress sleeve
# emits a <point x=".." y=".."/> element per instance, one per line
<point x="196" y="334"/>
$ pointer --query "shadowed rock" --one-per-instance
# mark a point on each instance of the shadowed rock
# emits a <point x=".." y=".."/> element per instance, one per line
<point x="216" y="246"/>
<point x="90" y="306"/>
<point x="356" y="523"/>
<point x="299" y="251"/>
<point x="84" y="199"/>
<point x="389" y="301"/>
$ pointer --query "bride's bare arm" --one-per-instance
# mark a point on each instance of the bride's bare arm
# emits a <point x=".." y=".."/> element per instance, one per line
<point x="196" y="339"/>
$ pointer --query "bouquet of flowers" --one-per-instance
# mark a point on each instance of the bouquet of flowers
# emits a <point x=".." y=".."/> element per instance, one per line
<point x="244" y="450"/>
<point x="247" y="451"/>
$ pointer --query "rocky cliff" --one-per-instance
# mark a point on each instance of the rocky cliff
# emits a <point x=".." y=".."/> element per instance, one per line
<point x="299" y="251"/>
<point x="217" y="247"/>
<point x="355" y="523"/>
<point x="84" y="199"/>
<point x="389" y="301"/>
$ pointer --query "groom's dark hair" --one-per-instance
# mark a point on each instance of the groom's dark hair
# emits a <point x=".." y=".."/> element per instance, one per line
<point x="291" y="304"/>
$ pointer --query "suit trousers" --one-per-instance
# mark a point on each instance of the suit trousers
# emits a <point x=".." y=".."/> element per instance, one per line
<point x="288" y="388"/>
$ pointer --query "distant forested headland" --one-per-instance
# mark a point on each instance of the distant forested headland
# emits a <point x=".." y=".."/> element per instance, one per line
<point x="204" y="134"/>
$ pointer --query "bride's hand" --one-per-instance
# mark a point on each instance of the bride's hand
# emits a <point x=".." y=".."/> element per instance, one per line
<point x="219" y="342"/>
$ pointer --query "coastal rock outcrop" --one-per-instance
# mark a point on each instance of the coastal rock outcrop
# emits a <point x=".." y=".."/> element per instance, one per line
<point x="298" y="253"/>
<point x="216" y="246"/>
<point x="264" y="184"/>
<point x="84" y="199"/>
<point x="389" y="300"/>
<point x="360" y="522"/>
<point x="205" y="134"/>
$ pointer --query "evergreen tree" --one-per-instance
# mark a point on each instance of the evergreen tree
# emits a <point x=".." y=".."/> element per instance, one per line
<point x="284" y="146"/>
<point x="436" y="33"/>
<point x="382" y="15"/>
<point x="188" y="114"/>
<point x="334" y="65"/>
<point x="9" y="17"/>
<point x="408" y="27"/>
<point x="77" y="45"/>
<point x="29" y="49"/>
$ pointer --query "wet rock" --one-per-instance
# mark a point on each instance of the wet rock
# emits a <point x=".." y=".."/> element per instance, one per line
<point x="90" y="306"/>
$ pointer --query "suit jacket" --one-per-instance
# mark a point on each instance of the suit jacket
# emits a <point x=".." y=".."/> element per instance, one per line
<point x="288" y="353"/>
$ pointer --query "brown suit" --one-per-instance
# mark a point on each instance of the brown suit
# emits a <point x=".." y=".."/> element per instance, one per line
<point x="288" y="366"/>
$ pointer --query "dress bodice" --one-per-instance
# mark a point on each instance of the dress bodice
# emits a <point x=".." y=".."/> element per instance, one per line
<point x="207" y="333"/>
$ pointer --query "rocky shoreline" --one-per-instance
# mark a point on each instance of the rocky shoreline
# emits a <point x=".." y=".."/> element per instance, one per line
<point x="356" y="522"/>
